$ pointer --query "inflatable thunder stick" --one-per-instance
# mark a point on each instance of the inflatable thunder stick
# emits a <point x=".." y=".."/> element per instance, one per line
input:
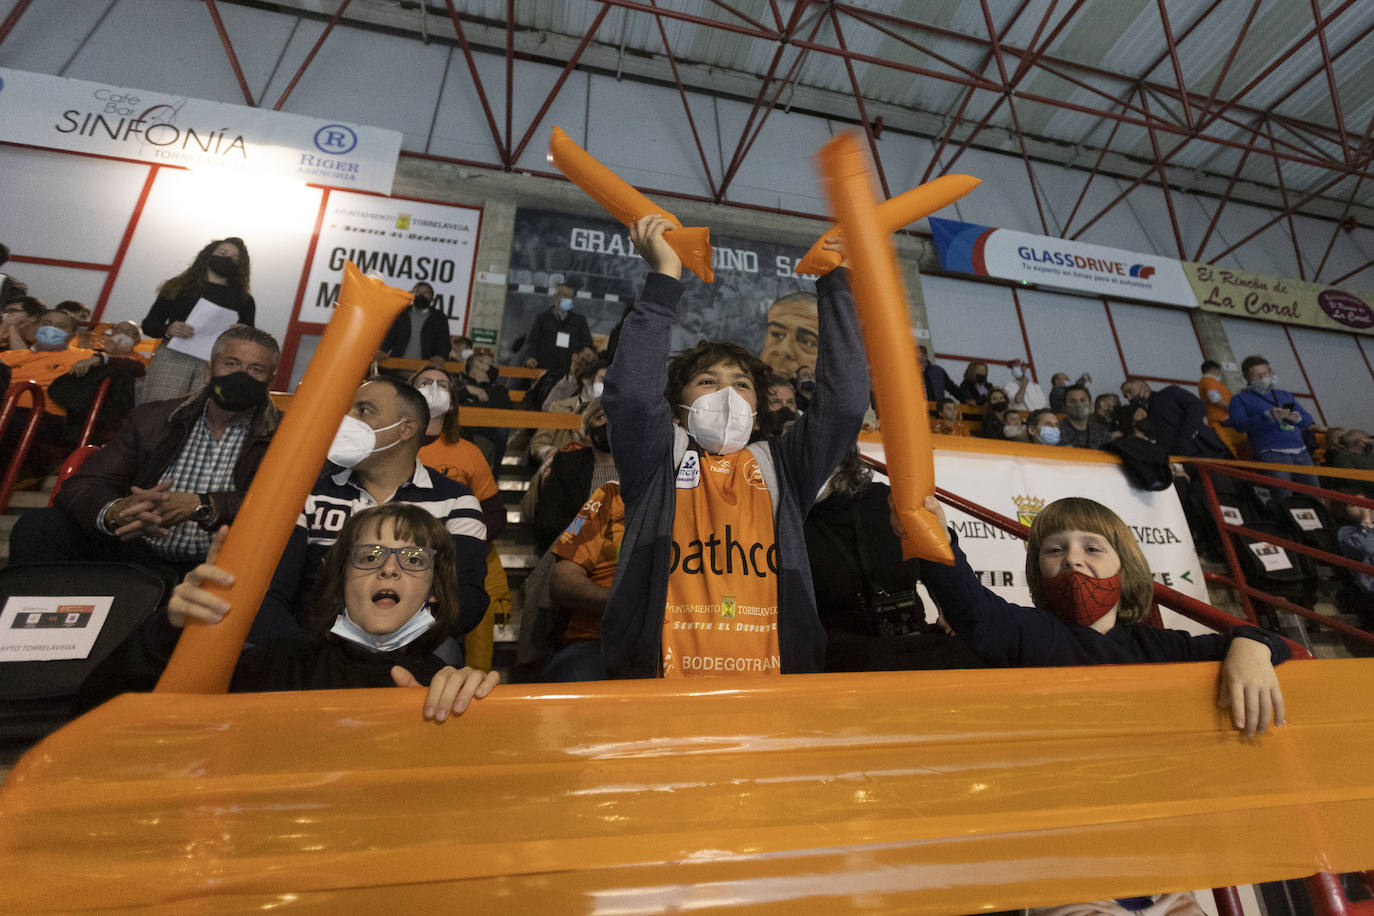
<point x="897" y="383"/>
<point x="892" y="215"/>
<point x="692" y="244"/>
<point x="205" y="655"/>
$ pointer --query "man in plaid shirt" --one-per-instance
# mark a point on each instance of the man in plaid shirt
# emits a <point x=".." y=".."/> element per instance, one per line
<point x="174" y="471"/>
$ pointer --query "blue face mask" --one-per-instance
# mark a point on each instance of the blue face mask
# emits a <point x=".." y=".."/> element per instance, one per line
<point x="565" y="304"/>
<point x="1049" y="435"/>
<point x="51" y="338"/>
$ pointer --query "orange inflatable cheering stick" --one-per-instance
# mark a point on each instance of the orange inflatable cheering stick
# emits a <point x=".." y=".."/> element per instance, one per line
<point x="692" y="244"/>
<point x="902" y="210"/>
<point x="897" y="383"/>
<point x="205" y="655"/>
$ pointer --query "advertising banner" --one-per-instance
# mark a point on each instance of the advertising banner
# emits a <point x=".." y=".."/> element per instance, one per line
<point x="1282" y="299"/>
<point x="750" y="303"/>
<point x="1019" y="487"/>
<point x="405" y="241"/>
<point x="85" y="117"/>
<point x="1036" y="259"/>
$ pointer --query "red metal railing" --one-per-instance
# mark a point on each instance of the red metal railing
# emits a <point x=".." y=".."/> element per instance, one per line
<point x="102" y="391"/>
<point x="16" y="460"/>
<point x="1235" y="579"/>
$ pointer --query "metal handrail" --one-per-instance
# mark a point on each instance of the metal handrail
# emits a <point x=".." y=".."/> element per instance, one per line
<point x="16" y="460"/>
<point x="102" y="391"/>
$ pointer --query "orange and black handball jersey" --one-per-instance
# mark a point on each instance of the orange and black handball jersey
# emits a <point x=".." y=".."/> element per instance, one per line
<point x="722" y="612"/>
<point x="592" y="541"/>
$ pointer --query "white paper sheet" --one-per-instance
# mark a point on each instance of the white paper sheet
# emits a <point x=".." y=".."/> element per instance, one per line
<point x="210" y="321"/>
<point x="44" y="628"/>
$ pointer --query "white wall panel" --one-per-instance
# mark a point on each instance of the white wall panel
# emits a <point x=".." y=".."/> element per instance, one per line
<point x="72" y="208"/>
<point x="1340" y="377"/>
<point x="533" y="82"/>
<point x="1157" y="341"/>
<point x="778" y="170"/>
<point x="461" y="130"/>
<point x="159" y="45"/>
<point x="1270" y="252"/>
<point x="48" y="34"/>
<point x="1004" y="198"/>
<point x="1315" y="235"/>
<point x="640" y="132"/>
<point x="1071" y="334"/>
<point x="366" y="78"/>
<point x="972" y="319"/>
<point x="54" y="284"/>
<point x="186" y="210"/>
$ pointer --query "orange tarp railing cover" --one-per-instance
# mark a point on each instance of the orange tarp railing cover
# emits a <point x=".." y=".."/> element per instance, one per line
<point x="915" y="792"/>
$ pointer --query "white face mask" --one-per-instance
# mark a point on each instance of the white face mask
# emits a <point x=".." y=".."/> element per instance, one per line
<point x="1264" y="384"/>
<point x="355" y="441"/>
<point x="463" y="355"/>
<point x="1012" y="430"/>
<point x="399" y="638"/>
<point x="594" y="390"/>
<point x="438" y="399"/>
<point x="721" y="421"/>
<point x="120" y="343"/>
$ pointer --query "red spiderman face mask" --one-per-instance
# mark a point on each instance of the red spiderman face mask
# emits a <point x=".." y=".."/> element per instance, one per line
<point x="1075" y="597"/>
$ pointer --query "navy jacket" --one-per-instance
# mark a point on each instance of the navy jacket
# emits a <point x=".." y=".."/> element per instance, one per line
<point x="434" y="340"/>
<point x="1178" y="419"/>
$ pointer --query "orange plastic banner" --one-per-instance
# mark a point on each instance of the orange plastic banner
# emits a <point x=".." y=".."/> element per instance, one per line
<point x="915" y="792"/>
<point x="692" y="244"/>
<point x="892" y="214"/>
<point x="897" y="384"/>
<point x="205" y="655"/>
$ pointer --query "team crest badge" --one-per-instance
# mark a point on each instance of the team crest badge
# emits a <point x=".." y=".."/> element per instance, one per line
<point x="1027" y="508"/>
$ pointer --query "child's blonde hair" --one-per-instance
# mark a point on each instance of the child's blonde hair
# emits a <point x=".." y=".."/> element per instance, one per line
<point x="1076" y="513"/>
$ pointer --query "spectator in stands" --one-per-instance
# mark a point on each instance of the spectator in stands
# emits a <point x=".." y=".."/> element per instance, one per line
<point x="419" y="332"/>
<point x="10" y="288"/>
<point x="587" y="553"/>
<point x="949" y="422"/>
<point x="993" y="425"/>
<point x="1043" y="427"/>
<point x="696" y="487"/>
<point x="546" y="442"/>
<point x="1059" y="386"/>
<point x="792" y="336"/>
<point x="220" y="275"/>
<point x="386" y="601"/>
<point x="974" y="388"/>
<point x="1356" y="541"/>
<point x="865" y="594"/>
<point x="782" y="401"/>
<point x="1214" y="394"/>
<point x="1335" y="441"/>
<point x="173" y="472"/>
<point x="555" y="334"/>
<point x="20" y="324"/>
<point x="1025" y="394"/>
<point x="804" y="384"/>
<point x="121" y="339"/>
<point x="570" y="479"/>
<point x="373" y="461"/>
<point x="1271" y="419"/>
<point x="1104" y="409"/>
<point x="1177" y="419"/>
<point x="446" y="451"/>
<point x="82" y="313"/>
<point x="1077" y="429"/>
<point x="1357" y="454"/>
<point x="477" y="387"/>
<point x="937" y="381"/>
<point x="568" y="386"/>
<point x="1092" y="589"/>
<point x="460" y="348"/>
<point x="49" y="357"/>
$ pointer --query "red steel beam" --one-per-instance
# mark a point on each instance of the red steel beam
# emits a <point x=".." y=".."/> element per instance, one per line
<point x="924" y="49"/>
<point x="557" y="85"/>
<point x="333" y="21"/>
<point x="1231" y="55"/>
<point x="229" y="50"/>
<point x="1312" y="392"/>
<point x="1348" y="274"/>
<point x="1226" y="198"/>
<point x="734" y="12"/>
<point x="1308" y="198"/>
<point x="686" y="107"/>
<point x="13" y="19"/>
<point x="1320" y="29"/>
<point x="1097" y="166"/>
<point x="1164" y="180"/>
<point x="1178" y="69"/>
<point x="501" y="149"/>
<point x="859" y="101"/>
<point x="510" y="76"/>
<point x="764" y="34"/>
<point x="1283" y="196"/>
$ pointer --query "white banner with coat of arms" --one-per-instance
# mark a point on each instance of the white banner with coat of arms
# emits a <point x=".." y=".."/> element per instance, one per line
<point x="1020" y="487"/>
<point x="404" y="241"/>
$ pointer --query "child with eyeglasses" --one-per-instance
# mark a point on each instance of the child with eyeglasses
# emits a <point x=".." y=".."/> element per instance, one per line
<point x="389" y="597"/>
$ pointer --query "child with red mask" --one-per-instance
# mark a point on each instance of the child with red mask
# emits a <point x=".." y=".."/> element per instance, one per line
<point x="1092" y="589"/>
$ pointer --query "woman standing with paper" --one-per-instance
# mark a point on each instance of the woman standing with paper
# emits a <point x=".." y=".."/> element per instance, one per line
<point x="191" y="310"/>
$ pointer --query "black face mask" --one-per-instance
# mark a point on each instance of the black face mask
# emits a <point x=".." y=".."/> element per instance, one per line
<point x="224" y="265"/>
<point x="981" y="378"/>
<point x="601" y="437"/>
<point x="238" y="391"/>
<point x="421" y="302"/>
<point x="782" y="416"/>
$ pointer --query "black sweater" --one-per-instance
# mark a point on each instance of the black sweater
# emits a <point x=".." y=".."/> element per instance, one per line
<point x="1008" y="635"/>
<point x="178" y="308"/>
